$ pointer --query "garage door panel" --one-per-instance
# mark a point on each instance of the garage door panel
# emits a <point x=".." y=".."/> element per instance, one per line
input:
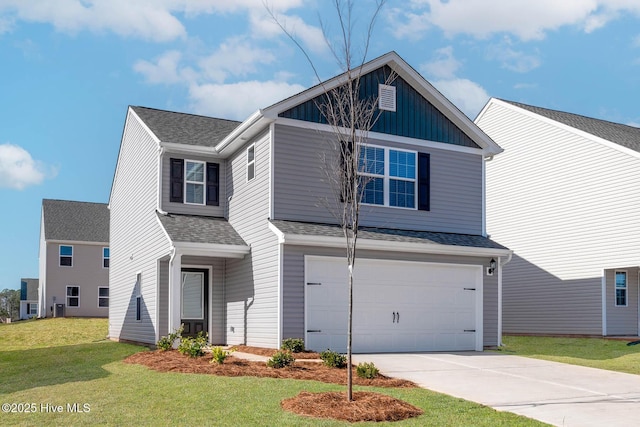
<point x="398" y="306"/>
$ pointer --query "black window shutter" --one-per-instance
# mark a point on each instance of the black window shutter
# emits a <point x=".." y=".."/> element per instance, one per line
<point x="424" y="182"/>
<point x="213" y="184"/>
<point x="176" y="179"/>
<point x="346" y="151"/>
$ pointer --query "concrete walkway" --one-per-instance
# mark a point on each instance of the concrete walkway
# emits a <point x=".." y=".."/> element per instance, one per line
<point x="556" y="393"/>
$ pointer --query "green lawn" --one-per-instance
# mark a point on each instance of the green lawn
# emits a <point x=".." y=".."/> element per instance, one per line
<point x="60" y="362"/>
<point x="600" y="353"/>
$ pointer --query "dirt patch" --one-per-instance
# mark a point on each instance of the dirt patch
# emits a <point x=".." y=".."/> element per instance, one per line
<point x="365" y="406"/>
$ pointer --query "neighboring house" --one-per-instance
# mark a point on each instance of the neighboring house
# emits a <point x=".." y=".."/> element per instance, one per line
<point x="565" y="198"/>
<point x="74" y="259"/>
<point x="220" y="226"/>
<point x="28" y="298"/>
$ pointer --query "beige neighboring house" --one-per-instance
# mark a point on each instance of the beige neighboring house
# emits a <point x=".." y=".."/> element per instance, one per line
<point x="28" y="298"/>
<point x="74" y="259"/>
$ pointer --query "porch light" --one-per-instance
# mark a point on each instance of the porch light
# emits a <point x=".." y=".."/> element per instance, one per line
<point x="492" y="266"/>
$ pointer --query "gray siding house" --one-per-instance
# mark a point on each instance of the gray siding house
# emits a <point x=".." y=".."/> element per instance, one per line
<point x="74" y="259"/>
<point x="220" y="226"/>
<point x="28" y="298"/>
<point x="564" y="197"/>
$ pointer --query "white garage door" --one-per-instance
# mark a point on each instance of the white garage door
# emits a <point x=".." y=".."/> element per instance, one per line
<point x="398" y="306"/>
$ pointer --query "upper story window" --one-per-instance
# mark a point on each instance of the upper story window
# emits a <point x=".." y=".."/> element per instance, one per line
<point x="391" y="177"/>
<point x="105" y="257"/>
<point x="194" y="182"/>
<point x="66" y="255"/>
<point x="621" y="288"/>
<point x="251" y="162"/>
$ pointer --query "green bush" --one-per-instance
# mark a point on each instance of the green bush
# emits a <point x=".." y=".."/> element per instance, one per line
<point x="193" y="347"/>
<point x="294" y="345"/>
<point x="166" y="343"/>
<point x="281" y="359"/>
<point x="219" y="354"/>
<point x="367" y="370"/>
<point x="333" y="359"/>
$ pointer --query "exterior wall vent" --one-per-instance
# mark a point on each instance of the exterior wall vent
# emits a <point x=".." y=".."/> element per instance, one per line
<point x="386" y="97"/>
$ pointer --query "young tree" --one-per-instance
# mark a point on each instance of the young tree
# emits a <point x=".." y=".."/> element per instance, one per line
<point x="350" y="117"/>
<point x="10" y="304"/>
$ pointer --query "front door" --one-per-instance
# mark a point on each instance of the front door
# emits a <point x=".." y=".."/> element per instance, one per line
<point x="194" y="307"/>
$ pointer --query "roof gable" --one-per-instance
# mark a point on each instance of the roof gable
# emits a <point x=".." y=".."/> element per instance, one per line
<point x="183" y="128"/>
<point x="415" y="116"/>
<point x="66" y="220"/>
<point x="623" y="135"/>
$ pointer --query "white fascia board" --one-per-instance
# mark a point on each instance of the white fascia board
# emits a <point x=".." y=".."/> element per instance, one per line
<point x="177" y="148"/>
<point x="386" y="245"/>
<point x="560" y="125"/>
<point x="319" y="127"/>
<point x="245" y="131"/>
<point x="211" y="250"/>
<point x="76" y="242"/>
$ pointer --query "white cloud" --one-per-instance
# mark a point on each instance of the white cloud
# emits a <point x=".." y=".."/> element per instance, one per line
<point x="165" y="70"/>
<point x="443" y="66"/>
<point x="18" y="169"/>
<point x="405" y="24"/>
<point x="528" y="20"/>
<point x="468" y="96"/>
<point x="512" y="59"/>
<point x="238" y="100"/>
<point x="235" y="58"/>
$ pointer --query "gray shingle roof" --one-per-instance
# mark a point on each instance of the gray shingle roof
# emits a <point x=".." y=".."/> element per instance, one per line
<point x="75" y="221"/>
<point x="624" y="135"/>
<point x="184" y="128"/>
<point x="388" y="234"/>
<point x="200" y="229"/>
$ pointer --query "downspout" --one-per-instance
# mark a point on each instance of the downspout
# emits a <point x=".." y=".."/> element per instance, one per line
<point x="159" y="189"/>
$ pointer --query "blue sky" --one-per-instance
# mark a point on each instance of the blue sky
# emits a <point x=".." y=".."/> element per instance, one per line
<point x="70" y="68"/>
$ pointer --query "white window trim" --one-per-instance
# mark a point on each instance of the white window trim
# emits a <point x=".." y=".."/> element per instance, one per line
<point x="387" y="177"/>
<point x="626" y="289"/>
<point x="103" y="257"/>
<point x="251" y="163"/>
<point x="100" y="297"/>
<point x="203" y="183"/>
<point x="31" y="310"/>
<point x="71" y="296"/>
<point x="60" y="256"/>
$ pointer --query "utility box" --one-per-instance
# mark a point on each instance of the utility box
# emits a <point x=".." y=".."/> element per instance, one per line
<point x="59" y="310"/>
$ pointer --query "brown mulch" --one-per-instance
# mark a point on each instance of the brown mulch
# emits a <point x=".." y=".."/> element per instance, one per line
<point x="365" y="406"/>
<point x="269" y="352"/>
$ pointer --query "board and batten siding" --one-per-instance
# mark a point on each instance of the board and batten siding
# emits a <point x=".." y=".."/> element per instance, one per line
<point x="293" y="285"/>
<point x="301" y="187"/>
<point x="252" y="285"/>
<point x="622" y="320"/>
<point x="137" y="240"/>
<point x="568" y="206"/>
<point x="188" y="209"/>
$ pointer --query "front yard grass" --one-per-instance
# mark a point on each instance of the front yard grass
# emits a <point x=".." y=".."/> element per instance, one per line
<point x="61" y="362"/>
<point x="599" y="353"/>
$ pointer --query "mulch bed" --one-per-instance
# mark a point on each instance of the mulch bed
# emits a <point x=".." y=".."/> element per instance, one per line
<point x="365" y="406"/>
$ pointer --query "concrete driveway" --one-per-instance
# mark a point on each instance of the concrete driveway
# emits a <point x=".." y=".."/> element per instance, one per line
<point x="556" y="393"/>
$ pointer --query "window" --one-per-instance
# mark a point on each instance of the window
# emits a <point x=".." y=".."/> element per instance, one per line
<point x="32" y="309"/>
<point x="105" y="257"/>
<point x="390" y="176"/>
<point x="103" y="297"/>
<point x="194" y="182"/>
<point x="66" y="256"/>
<point x="621" y="288"/>
<point x="73" y="296"/>
<point x="138" y="293"/>
<point x="251" y="162"/>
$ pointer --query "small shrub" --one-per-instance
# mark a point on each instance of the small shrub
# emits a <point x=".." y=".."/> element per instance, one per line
<point x="294" y="345"/>
<point x="219" y="354"/>
<point x="367" y="370"/>
<point x="333" y="359"/>
<point x="166" y="343"/>
<point x="281" y="359"/>
<point x="193" y="347"/>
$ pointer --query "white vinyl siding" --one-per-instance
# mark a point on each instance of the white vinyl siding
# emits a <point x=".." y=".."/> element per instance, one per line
<point x="554" y="197"/>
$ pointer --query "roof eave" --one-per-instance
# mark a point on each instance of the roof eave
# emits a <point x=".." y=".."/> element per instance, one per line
<point x="212" y="249"/>
<point x="243" y="133"/>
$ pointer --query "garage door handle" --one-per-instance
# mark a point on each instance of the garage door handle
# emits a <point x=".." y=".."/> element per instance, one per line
<point x="314" y="330"/>
<point x="469" y="330"/>
<point x="394" y="317"/>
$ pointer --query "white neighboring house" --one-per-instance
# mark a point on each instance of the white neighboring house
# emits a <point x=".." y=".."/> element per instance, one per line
<point x="565" y="197"/>
<point x="28" y="298"/>
<point x="74" y="259"/>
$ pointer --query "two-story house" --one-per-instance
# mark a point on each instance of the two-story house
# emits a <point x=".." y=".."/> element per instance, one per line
<point x="74" y="259"/>
<point x="219" y="225"/>
<point x="28" y="298"/>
